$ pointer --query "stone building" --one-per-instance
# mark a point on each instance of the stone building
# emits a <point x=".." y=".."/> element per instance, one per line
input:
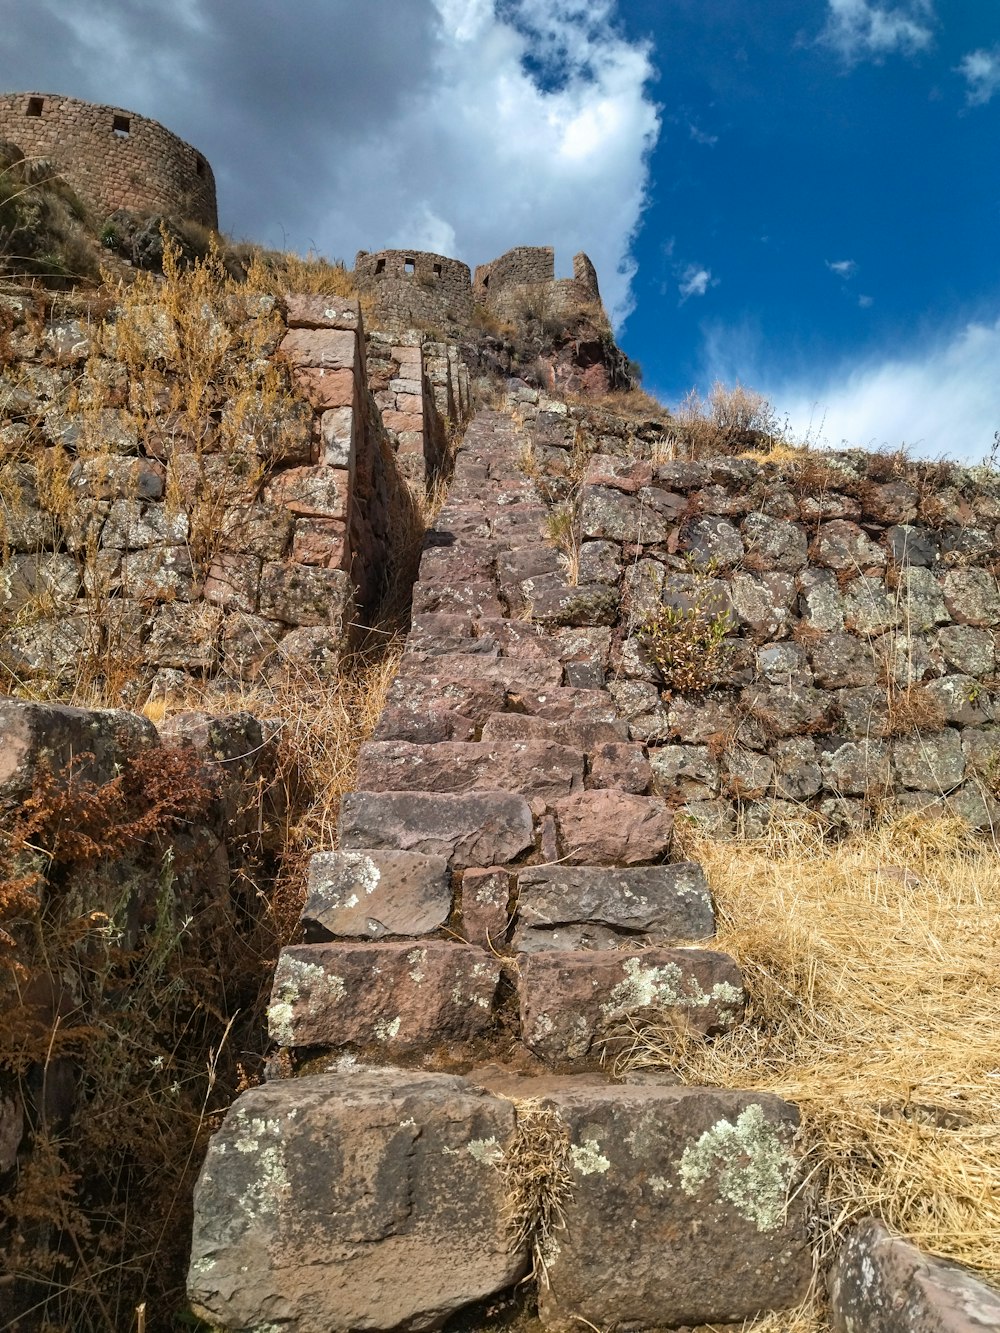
<point x="414" y="287"/>
<point x="110" y="157"/>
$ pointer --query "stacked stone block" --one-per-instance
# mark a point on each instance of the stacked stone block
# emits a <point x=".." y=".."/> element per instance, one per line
<point x="502" y="890"/>
<point x="299" y="510"/>
<point x="415" y="289"/>
<point x="112" y="158"/>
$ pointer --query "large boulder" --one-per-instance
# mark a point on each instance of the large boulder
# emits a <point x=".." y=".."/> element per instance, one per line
<point x="353" y="1200"/>
<point x="882" y="1284"/>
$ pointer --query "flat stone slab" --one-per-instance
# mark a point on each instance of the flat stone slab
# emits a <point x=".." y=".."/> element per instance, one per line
<point x="882" y="1284"/>
<point x="536" y="673"/>
<point x="370" y="894"/>
<point x="481" y="829"/>
<point x="580" y="907"/>
<point x="533" y="767"/>
<point x="399" y="996"/>
<point x="584" y="736"/>
<point x="353" y="1200"/>
<point x="676" y="1211"/>
<point x="612" y="828"/>
<point x="573" y="1002"/>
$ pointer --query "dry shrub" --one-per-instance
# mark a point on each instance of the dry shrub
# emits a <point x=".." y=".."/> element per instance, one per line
<point x="911" y="709"/>
<point x="537" y="1180"/>
<point x="119" y="989"/>
<point x="732" y="420"/>
<point x="871" y="967"/>
<point x="687" y="645"/>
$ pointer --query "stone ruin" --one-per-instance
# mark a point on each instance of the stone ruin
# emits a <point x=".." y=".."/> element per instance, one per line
<point x="505" y="900"/>
<point x="112" y="158"/>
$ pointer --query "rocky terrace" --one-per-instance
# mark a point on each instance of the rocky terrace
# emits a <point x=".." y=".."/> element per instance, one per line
<point x="506" y="906"/>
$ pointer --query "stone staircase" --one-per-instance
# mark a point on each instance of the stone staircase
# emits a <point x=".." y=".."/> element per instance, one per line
<point x="502" y="913"/>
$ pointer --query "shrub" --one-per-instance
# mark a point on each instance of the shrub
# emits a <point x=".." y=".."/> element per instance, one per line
<point x="687" y="645"/>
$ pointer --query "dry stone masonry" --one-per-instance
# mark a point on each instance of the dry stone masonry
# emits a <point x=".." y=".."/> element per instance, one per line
<point x="606" y="643"/>
<point x="505" y="906"/>
<point x="503" y="902"/>
<point x="296" y="512"/>
<point x="112" y="158"/>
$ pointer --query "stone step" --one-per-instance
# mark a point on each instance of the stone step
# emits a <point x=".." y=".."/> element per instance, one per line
<point x="387" y="1182"/>
<point x="474" y="698"/>
<point x="398" y="996"/>
<point x="883" y="1283"/>
<point x="483" y="828"/>
<point x="466" y="596"/>
<point x="438" y="632"/>
<point x="578" y="907"/>
<point x="676" y="1206"/>
<point x="612" y="828"/>
<point x="537" y="768"/>
<point x="586" y="736"/>
<point x="423" y="726"/>
<point x="513" y="673"/>
<point x="372" y="893"/>
<point x="574" y="1003"/>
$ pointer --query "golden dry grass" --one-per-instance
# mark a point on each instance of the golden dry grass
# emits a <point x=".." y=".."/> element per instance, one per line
<point x="872" y="968"/>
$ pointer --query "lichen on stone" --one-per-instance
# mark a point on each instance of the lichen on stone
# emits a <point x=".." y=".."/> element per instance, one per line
<point x="293" y="980"/>
<point x="588" y="1159"/>
<point x="750" y="1163"/>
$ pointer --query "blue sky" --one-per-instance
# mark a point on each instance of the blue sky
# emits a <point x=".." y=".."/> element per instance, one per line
<point x="803" y="195"/>
<point x="827" y="193"/>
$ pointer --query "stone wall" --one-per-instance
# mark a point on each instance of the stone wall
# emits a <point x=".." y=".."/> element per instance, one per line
<point x="415" y="289"/>
<point x="228" y="553"/>
<point x="524" y="279"/>
<point x="112" y="158"/>
<point x="422" y="390"/>
<point x="860" y="610"/>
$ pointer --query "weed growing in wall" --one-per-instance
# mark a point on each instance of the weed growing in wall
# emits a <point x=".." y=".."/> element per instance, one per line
<point x="687" y="645"/>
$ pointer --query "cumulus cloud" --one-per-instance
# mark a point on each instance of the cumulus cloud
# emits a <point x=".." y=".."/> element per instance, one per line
<point x="942" y="400"/>
<point x="844" y="268"/>
<point x="463" y="126"/>
<point x="981" y="71"/>
<point x="859" y="30"/>
<point x="695" y="281"/>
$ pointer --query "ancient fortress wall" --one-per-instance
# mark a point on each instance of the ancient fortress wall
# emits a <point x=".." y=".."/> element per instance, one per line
<point x="225" y="555"/>
<point x="524" y="278"/>
<point x="415" y="288"/>
<point x="412" y="288"/>
<point x="112" y="158"/>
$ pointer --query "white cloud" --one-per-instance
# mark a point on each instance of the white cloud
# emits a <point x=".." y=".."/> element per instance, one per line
<point x="700" y="136"/>
<point x="981" y="71"/>
<point x="844" y="268"/>
<point x="695" y="281"/>
<point x="859" y="30"/>
<point x="464" y="126"/>
<point x="942" y="400"/>
<point x="866" y="302"/>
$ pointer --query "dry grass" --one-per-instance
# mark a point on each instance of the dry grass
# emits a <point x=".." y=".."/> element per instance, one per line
<point x="872" y="969"/>
<point x="537" y="1180"/>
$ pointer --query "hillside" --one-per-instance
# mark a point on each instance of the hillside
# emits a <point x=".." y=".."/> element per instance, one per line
<point x="482" y="849"/>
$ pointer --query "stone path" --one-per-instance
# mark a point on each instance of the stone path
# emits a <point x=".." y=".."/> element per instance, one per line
<point x="502" y="911"/>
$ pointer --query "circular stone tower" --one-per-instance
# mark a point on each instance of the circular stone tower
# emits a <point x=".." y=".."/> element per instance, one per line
<point x="110" y="157"/>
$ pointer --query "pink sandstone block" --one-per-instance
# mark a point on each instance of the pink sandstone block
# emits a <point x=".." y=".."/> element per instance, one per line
<point x="325" y="388"/>
<point x="325" y="349"/>
<point x="306" y="311"/>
